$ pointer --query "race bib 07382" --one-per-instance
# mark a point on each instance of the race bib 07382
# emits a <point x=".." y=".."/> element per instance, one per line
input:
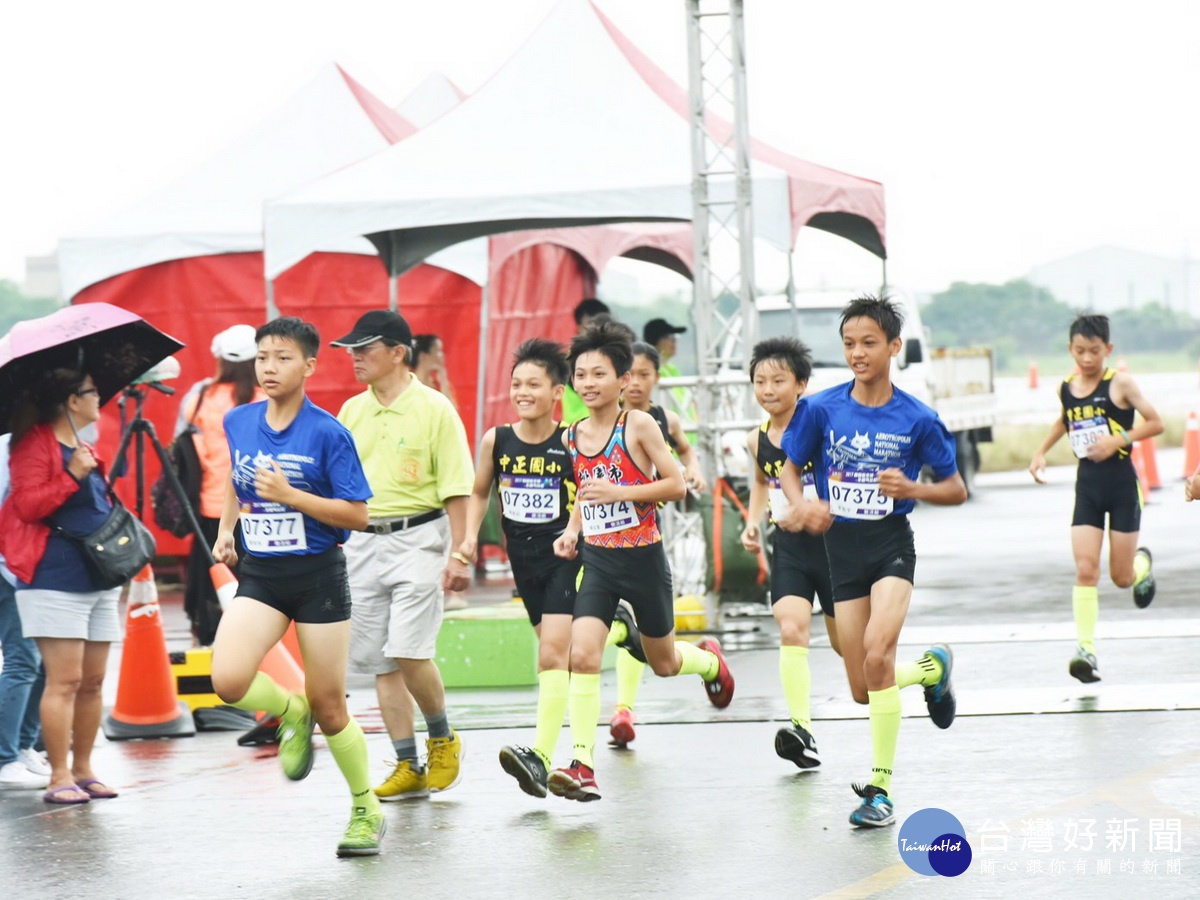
<point x="1086" y="432"/>
<point x="529" y="499"/>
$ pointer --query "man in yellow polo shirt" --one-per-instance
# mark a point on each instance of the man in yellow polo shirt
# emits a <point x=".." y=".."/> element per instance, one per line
<point x="414" y="452"/>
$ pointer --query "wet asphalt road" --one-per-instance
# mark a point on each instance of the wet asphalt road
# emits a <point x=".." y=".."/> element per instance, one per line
<point x="701" y="805"/>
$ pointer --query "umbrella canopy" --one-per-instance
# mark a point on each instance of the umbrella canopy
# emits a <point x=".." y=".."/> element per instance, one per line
<point x="111" y="344"/>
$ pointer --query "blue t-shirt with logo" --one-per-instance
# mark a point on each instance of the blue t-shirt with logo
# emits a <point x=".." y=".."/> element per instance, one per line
<point x="850" y="444"/>
<point x="317" y="454"/>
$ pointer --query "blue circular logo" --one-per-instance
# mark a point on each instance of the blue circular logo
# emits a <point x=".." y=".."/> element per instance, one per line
<point x="933" y="842"/>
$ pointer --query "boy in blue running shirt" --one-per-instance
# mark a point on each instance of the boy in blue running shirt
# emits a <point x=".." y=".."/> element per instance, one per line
<point x="298" y="488"/>
<point x="868" y="441"/>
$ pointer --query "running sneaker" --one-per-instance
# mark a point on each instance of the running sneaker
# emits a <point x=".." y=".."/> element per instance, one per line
<point x="35" y="762"/>
<point x="797" y="745"/>
<point x="633" y="639"/>
<point x="620" y="728"/>
<point x="575" y="782"/>
<point x="407" y="782"/>
<point x="720" y="689"/>
<point x="295" y="739"/>
<point x="363" y="834"/>
<point x="527" y="767"/>
<point x="1143" y="591"/>
<point x="939" y="698"/>
<point x="443" y="759"/>
<point x="1084" y="666"/>
<point x="875" y="811"/>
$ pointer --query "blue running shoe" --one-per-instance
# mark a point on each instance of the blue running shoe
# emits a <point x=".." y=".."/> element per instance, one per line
<point x="875" y="811"/>
<point x="939" y="699"/>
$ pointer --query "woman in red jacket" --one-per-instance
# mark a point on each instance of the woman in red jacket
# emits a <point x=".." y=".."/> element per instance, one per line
<point x="58" y="491"/>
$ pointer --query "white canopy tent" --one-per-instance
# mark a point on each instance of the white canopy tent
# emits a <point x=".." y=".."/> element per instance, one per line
<point x="578" y="128"/>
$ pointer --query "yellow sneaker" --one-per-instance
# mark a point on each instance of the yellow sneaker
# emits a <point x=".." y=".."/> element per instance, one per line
<point x="404" y="783"/>
<point x="444" y="756"/>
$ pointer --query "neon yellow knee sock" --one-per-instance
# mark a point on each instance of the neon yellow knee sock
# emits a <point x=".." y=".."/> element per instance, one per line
<point x="264" y="694"/>
<point x="584" y="708"/>
<point x="884" y="709"/>
<point x="553" y="688"/>
<point x="349" y="749"/>
<point x="697" y="661"/>
<point x="797" y="684"/>
<point x="1141" y="567"/>
<point x="925" y="671"/>
<point x="629" y="679"/>
<point x="1086" y="602"/>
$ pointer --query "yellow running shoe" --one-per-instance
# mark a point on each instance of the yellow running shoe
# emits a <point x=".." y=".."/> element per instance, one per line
<point x="444" y="756"/>
<point x="405" y="783"/>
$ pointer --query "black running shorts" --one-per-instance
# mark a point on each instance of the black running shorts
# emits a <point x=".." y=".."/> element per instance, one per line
<point x="864" y="552"/>
<point x="545" y="582"/>
<point x="800" y="568"/>
<point x="1119" y="499"/>
<point x="639" y="575"/>
<point x="312" y="589"/>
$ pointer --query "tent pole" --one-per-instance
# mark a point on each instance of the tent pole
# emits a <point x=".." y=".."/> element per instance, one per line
<point x="393" y="276"/>
<point x="791" y="296"/>
<point x="272" y="309"/>
<point x="883" y="288"/>
<point x="481" y="372"/>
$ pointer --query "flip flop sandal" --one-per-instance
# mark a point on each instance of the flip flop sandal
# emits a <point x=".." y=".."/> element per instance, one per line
<point x="102" y="792"/>
<point x="54" y="795"/>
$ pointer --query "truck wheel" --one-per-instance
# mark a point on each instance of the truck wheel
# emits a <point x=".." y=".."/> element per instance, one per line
<point x="967" y="454"/>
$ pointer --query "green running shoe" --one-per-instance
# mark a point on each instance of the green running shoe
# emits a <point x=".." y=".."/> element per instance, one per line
<point x="363" y="834"/>
<point x="295" y="739"/>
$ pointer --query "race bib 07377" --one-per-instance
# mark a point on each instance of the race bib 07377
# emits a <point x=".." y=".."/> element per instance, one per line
<point x="272" y="528"/>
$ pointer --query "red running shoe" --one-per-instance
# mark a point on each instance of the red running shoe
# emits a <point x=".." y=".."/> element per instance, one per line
<point x="576" y="782"/>
<point x="720" y="689"/>
<point x="620" y="728"/>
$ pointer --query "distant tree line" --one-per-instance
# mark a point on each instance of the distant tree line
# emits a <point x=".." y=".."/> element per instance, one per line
<point x="1019" y="319"/>
<point x="16" y="307"/>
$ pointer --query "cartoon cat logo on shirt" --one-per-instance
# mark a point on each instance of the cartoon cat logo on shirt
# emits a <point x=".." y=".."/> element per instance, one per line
<point x="844" y="451"/>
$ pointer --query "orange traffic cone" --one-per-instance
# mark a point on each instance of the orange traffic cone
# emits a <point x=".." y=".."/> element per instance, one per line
<point x="1137" y="457"/>
<point x="1033" y="374"/>
<point x="1150" y="459"/>
<point x="147" y="705"/>
<point x="1191" y="446"/>
<point x="224" y="582"/>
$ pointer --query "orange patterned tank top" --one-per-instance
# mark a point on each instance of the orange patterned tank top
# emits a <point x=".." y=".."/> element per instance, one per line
<point x="620" y="524"/>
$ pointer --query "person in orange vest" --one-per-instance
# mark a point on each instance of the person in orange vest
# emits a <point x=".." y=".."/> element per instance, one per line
<point x="204" y="407"/>
<point x="1098" y="408"/>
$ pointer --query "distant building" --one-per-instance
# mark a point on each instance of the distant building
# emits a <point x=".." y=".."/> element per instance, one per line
<point x="1106" y="279"/>
<point x="41" y="277"/>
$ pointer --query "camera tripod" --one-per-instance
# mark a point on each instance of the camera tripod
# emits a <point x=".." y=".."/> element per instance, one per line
<point x="136" y="431"/>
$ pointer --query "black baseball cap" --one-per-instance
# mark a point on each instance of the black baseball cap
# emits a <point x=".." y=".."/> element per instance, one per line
<point x="377" y="325"/>
<point x="657" y="329"/>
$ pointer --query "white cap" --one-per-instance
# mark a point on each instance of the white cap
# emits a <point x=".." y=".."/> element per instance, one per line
<point x="235" y="344"/>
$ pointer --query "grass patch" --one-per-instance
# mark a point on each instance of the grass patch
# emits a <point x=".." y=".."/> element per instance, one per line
<point x="1013" y="446"/>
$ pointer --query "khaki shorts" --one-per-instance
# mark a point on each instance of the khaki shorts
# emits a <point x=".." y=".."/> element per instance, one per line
<point x="85" y="616"/>
<point x="396" y="588"/>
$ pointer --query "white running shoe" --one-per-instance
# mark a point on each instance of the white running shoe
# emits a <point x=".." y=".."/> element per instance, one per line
<point x="34" y="761"/>
<point x="15" y="777"/>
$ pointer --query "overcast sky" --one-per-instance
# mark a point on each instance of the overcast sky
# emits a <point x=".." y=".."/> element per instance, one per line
<point x="1006" y="134"/>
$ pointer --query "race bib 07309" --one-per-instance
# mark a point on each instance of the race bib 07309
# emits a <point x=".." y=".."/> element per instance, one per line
<point x="529" y="499"/>
<point x="854" y="494"/>
<point x="1086" y="432"/>
<point x="272" y="528"/>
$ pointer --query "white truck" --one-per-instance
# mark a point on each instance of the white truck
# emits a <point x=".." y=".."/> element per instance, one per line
<point x="956" y="381"/>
